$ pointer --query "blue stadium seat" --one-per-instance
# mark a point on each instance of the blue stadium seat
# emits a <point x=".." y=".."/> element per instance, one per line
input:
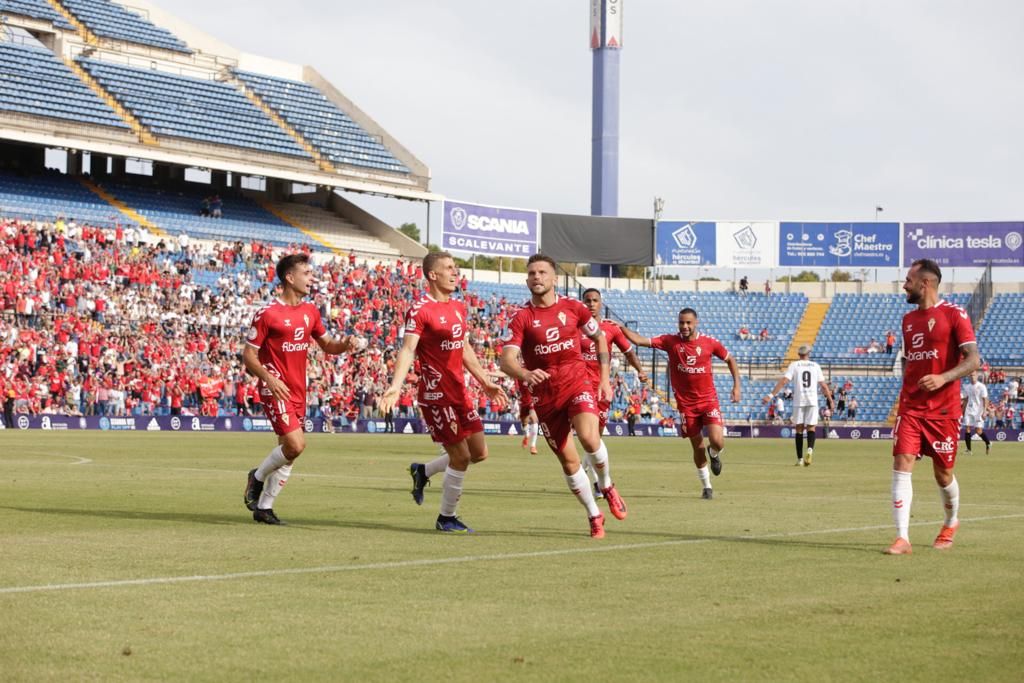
<point x="110" y="20"/>
<point x="37" y="9"/>
<point x="33" y="81"/>
<point x="329" y="129"/>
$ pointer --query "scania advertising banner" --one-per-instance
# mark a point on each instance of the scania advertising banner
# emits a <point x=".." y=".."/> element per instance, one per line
<point x="685" y="243"/>
<point x="489" y="230"/>
<point x="964" y="244"/>
<point x="857" y="245"/>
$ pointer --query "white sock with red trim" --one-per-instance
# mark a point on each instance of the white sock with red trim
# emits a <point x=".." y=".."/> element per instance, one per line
<point x="579" y="484"/>
<point x="599" y="465"/>
<point x="438" y="464"/>
<point x="271" y="463"/>
<point x="950" y="501"/>
<point x="272" y="487"/>
<point x="902" y="497"/>
<point x="704" y="474"/>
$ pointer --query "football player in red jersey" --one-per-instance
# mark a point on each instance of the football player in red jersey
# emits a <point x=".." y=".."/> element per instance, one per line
<point x="938" y="349"/>
<point x="546" y="331"/>
<point x="276" y="351"/>
<point x="613" y="335"/>
<point x="690" y="356"/>
<point x="436" y="335"/>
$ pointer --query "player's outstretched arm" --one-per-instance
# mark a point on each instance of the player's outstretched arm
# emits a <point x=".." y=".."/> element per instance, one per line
<point x="403" y="361"/>
<point x="494" y="392"/>
<point x="634" y="336"/>
<point x="634" y="361"/>
<point x="827" y="393"/>
<point x="333" y="345"/>
<point x="734" y="369"/>
<point x="778" y="387"/>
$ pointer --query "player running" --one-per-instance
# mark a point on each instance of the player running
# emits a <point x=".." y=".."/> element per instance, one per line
<point x="528" y="417"/>
<point x="690" y="356"/>
<point x="276" y="351"/>
<point x="975" y="406"/>
<point x="614" y="337"/>
<point x="435" y="334"/>
<point x="806" y="377"/>
<point x="547" y="333"/>
<point x="938" y="349"/>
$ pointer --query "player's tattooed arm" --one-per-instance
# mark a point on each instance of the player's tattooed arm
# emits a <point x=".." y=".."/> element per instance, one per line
<point x="970" y="360"/>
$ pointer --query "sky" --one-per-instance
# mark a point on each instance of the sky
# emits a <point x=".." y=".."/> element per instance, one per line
<point x="730" y="110"/>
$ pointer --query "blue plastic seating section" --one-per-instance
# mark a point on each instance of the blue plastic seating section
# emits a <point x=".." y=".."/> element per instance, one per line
<point x="33" y="81"/>
<point x="110" y="20"/>
<point x="37" y="9"/>
<point x="329" y="129"/>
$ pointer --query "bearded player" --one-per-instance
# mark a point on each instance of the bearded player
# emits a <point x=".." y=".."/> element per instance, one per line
<point x="435" y="334"/>
<point x="938" y="349"/>
<point x="547" y="333"/>
<point x="690" y="356"/>
<point x="276" y="351"/>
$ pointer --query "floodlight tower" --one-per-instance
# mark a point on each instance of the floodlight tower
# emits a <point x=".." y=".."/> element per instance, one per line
<point x="606" y="43"/>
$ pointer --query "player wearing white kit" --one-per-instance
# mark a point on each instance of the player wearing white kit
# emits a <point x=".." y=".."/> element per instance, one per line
<point x="806" y="378"/>
<point x="974" y="397"/>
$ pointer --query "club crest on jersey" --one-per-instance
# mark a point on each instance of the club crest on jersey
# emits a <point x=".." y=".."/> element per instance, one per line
<point x="698" y="350"/>
<point x="931" y="324"/>
<point x="561" y="317"/>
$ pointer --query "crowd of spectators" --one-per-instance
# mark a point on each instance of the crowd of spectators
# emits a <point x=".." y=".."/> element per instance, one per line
<point x="112" y="321"/>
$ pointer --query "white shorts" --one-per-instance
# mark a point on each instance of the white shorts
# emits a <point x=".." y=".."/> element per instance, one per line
<point x="806" y="415"/>
<point x="974" y="421"/>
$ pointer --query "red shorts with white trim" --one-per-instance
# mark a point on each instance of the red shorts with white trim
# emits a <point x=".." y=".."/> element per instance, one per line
<point x="695" y="418"/>
<point x="284" y="416"/>
<point x="448" y="425"/>
<point x="556" y="417"/>
<point x="935" y="438"/>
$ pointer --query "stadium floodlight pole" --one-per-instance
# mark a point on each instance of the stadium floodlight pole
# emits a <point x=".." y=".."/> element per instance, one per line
<point x="659" y="208"/>
<point x="606" y="44"/>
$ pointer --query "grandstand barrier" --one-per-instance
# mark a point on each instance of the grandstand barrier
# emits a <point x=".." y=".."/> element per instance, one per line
<point x="195" y="423"/>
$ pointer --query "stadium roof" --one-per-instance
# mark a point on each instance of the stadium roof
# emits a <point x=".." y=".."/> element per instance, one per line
<point x="186" y="98"/>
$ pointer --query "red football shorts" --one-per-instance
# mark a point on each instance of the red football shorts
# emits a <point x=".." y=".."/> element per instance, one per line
<point x="556" y="416"/>
<point x="695" y="418"/>
<point x="936" y="438"/>
<point x="448" y="425"/>
<point x="284" y="416"/>
<point x="602" y="405"/>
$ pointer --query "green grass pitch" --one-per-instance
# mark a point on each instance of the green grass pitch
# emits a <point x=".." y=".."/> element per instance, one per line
<point x="131" y="557"/>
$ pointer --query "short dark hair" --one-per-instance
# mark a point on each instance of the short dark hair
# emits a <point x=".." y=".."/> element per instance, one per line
<point x="287" y="263"/>
<point x="929" y="266"/>
<point x="542" y="257"/>
<point x="588" y="290"/>
<point x="431" y="259"/>
<point x="689" y="310"/>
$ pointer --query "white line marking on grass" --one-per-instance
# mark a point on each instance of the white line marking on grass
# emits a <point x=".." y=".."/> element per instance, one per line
<point x="78" y="460"/>
<point x="407" y="564"/>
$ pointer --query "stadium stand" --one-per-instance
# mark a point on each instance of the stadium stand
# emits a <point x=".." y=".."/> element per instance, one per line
<point x="331" y="229"/>
<point x="37" y="9"/>
<point x="177" y="211"/>
<point x="192" y="108"/>
<point x="329" y="129"/>
<point x="110" y="20"/>
<point x="33" y="81"/>
<point x="999" y="336"/>
<point x="845" y="335"/>
<point x="48" y="197"/>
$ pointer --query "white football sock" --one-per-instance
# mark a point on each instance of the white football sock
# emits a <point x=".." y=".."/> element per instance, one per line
<point x="579" y="484"/>
<point x="588" y="467"/>
<point x="902" y="497"/>
<point x="599" y="464"/>
<point x="451" y="492"/>
<point x="704" y="474"/>
<point x="273" y="485"/>
<point x="533" y="430"/>
<point x="950" y="501"/>
<point x="438" y="464"/>
<point x="273" y="461"/>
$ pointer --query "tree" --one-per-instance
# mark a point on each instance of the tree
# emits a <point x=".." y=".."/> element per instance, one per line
<point x="802" y="276"/>
<point x="841" y="276"/>
<point x="410" y="230"/>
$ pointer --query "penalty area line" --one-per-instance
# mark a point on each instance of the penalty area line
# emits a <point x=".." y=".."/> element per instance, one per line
<point x="409" y="564"/>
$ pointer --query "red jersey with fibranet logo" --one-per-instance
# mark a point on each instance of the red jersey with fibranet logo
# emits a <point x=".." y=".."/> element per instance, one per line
<point x="441" y="327"/>
<point x="614" y="336"/>
<point x="693" y="381"/>
<point x="283" y="335"/>
<point x="549" y="339"/>
<point x="931" y="345"/>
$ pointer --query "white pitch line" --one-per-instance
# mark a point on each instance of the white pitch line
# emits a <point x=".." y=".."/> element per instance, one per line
<point x="407" y="564"/>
